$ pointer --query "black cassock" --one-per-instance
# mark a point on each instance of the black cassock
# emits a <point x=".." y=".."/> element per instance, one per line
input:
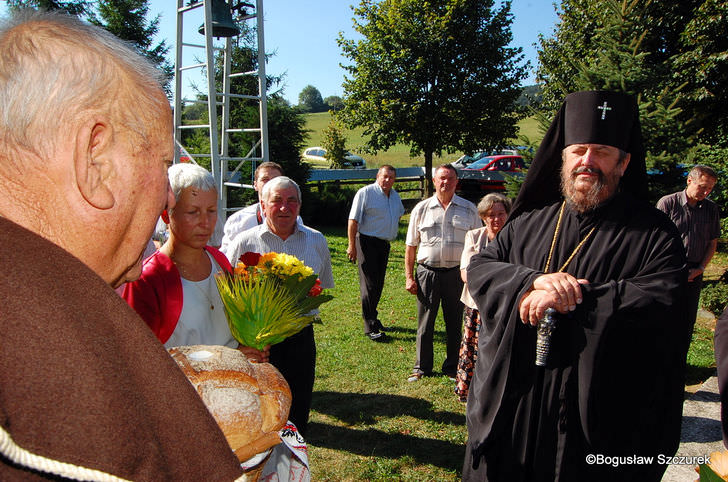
<point x="614" y="384"/>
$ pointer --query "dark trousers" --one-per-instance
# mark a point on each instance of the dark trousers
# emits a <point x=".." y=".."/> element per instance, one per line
<point x="295" y="358"/>
<point x="720" y="339"/>
<point x="372" y="255"/>
<point x="435" y="287"/>
<point x="692" y="302"/>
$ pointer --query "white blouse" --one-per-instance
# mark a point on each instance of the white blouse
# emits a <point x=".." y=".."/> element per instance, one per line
<point x="202" y="320"/>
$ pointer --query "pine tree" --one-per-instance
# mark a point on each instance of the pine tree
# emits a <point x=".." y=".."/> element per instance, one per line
<point x="627" y="47"/>
<point x="127" y="19"/>
<point x="73" y="7"/>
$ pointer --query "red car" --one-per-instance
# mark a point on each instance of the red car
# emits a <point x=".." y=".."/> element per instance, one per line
<point x="507" y="163"/>
<point x="487" y="174"/>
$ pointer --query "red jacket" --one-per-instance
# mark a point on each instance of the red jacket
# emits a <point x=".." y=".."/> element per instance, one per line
<point x="157" y="294"/>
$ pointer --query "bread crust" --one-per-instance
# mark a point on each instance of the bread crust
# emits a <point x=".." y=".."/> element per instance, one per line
<point x="249" y="401"/>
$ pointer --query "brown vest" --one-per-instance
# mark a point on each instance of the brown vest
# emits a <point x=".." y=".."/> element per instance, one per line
<point x="84" y="381"/>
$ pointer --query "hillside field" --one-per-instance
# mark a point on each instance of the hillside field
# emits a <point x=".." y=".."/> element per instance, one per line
<point x="397" y="155"/>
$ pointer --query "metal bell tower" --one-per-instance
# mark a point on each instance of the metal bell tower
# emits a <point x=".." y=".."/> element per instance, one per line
<point x="218" y="23"/>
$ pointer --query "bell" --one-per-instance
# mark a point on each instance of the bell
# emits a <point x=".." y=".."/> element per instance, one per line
<point x="222" y="20"/>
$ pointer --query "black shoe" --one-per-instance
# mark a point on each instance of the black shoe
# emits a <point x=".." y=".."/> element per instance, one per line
<point x="375" y="336"/>
<point x="381" y="327"/>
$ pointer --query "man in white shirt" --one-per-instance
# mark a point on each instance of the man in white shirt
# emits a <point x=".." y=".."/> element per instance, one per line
<point x="373" y="223"/>
<point x="250" y="216"/>
<point x="436" y="234"/>
<point x="295" y="357"/>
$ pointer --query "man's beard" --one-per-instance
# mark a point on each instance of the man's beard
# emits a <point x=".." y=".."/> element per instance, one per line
<point x="601" y="190"/>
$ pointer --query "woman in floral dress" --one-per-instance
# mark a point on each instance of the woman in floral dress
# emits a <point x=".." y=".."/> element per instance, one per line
<point x="493" y="209"/>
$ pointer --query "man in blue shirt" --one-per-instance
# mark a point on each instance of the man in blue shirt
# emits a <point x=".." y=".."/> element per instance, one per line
<point x="373" y="223"/>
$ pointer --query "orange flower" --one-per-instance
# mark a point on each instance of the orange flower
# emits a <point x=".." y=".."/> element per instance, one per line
<point x="241" y="270"/>
<point x="719" y="463"/>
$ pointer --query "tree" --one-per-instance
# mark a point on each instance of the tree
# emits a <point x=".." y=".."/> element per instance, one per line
<point x="334" y="102"/>
<point x="287" y="135"/>
<point x="127" y="19"/>
<point x="286" y="125"/>
<point x="703" y="66"/>
<point x="434" y="75"/>
<point x="74" y="7"/>
<point x="334" y="142"/>
<point x="310" y="100"/>
<point x="628" y="47"/>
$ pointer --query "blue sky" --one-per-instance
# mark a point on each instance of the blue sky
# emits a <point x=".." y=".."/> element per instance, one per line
<point x="302" y="36"/>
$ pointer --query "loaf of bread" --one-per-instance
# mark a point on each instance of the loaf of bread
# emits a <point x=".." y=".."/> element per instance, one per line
<point x="249" y="401"/>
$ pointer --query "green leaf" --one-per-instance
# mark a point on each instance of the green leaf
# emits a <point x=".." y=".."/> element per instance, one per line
<point x="264" y="310"/>
<point x="708" y="475"/>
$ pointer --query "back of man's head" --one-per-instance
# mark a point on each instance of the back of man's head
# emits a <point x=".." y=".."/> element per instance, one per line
<point x="54" y="66"/>
<point x="85" y="134"/>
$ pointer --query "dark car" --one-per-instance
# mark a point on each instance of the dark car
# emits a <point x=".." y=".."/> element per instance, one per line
<point x="488" y="174"/>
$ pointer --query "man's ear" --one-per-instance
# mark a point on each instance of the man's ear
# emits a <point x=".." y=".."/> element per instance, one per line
<point x="94" y="163"/>
<point x="625" y="163"/>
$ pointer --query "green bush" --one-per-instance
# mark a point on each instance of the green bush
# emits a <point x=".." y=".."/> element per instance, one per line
<point x="714" y="296"/>
<point x="327" y="206"/>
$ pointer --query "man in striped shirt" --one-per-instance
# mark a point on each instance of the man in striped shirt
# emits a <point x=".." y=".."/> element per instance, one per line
<point x="698" y="220"/>
<point x="295" y="357"/>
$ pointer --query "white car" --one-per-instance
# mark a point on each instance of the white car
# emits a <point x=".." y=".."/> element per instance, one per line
<point x="316" y="156"/>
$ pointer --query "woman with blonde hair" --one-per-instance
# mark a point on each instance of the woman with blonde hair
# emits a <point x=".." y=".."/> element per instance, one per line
<point x="176" y="294"/>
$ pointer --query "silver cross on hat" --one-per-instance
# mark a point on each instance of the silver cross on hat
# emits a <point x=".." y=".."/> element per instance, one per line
<point x="604" y="109"/>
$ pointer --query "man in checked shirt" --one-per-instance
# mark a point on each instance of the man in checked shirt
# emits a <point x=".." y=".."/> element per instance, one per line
<point x="436" y="235"/>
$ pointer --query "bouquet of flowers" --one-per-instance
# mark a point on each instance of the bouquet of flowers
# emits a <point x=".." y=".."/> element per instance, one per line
<point x="268" y="298"/>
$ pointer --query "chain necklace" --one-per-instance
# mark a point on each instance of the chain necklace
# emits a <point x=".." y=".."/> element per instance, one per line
<point x="556" y="235"/>
<point x="206" y="293"/>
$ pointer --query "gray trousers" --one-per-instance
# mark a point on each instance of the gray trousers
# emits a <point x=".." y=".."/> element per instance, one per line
<point x="435" y="287"/>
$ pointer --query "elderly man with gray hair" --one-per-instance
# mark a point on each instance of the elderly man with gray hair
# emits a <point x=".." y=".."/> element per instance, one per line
<point x="88" y="392"/>
<point x="295" y="357"/>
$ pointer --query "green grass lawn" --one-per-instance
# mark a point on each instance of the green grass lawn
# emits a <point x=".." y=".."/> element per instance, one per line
<point x="368" y="422"/>
<point x="397" y="155"/>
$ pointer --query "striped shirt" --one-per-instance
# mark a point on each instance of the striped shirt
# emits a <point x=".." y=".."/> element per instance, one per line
<point x="698" y="225"/>
<point x="305" y="243"/>
<point x="244" y="219"/>
<point x="439" y="233"/>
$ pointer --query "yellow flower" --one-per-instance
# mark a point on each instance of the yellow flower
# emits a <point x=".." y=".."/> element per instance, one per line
<point x="269" y="301"/>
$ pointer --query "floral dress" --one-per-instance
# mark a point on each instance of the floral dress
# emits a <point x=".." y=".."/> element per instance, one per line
<point x="475" y="240"/>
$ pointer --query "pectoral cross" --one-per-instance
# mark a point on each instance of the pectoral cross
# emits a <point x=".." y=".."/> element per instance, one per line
<point x="604" y="109"/>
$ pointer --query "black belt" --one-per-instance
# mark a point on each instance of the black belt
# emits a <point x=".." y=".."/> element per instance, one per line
<point x="432" y="268"/>
<point x="373" y="238"/>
